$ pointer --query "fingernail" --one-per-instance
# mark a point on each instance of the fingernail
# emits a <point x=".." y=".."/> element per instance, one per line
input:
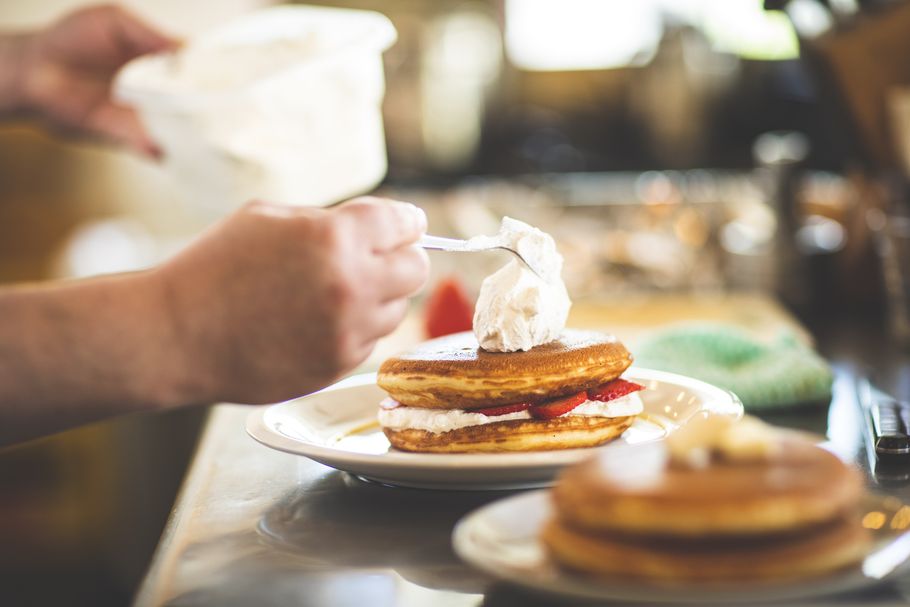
<point x="420" y="217"/>
<point x="422" y="222"/>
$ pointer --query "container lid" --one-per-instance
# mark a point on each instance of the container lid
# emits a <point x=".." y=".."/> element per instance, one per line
<point x="250" y="51"/>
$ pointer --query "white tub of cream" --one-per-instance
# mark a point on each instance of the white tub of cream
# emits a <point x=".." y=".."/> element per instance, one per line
<point x="281" y="105"/>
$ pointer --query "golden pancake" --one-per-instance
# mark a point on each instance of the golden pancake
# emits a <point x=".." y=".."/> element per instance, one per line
<point x="799" y="486"/>
<point x="567" y="432"/>
<point x="452" y="372"/>
<point x="768" y="506"/>
<point x="817" y="551"/>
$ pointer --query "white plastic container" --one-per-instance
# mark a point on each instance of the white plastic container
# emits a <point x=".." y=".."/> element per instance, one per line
<point x="281" y="105"/>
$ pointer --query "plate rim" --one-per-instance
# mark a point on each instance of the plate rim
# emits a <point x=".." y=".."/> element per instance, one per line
<point x="257" y="428"/>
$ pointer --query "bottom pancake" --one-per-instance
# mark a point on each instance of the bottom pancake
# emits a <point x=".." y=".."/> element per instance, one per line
<point x="567" y="432"/>
<point x="813" y="552"/>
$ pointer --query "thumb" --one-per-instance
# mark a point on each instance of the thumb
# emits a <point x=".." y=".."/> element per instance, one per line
<point x="135" y="37"/>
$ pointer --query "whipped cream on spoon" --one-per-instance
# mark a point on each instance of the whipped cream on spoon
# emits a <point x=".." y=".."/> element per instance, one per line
<point x="518" y="309"/>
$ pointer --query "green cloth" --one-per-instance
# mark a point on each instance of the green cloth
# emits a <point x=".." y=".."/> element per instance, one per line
<point x="764" y="375"/>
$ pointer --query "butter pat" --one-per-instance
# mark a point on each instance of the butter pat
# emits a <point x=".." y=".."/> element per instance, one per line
<point x="748" y="439"/>
<point x="707" y="436"/>
<point x="517" y="309"/>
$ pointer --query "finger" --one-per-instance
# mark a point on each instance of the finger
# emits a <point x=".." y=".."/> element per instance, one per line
<point x="386" y="319"/>
<point x="402" y="272"/>
<point x="120" y="124"/>
<point x="135" y="37"/>
<point x="362" y="354"/>
<point x="385" y="225"/>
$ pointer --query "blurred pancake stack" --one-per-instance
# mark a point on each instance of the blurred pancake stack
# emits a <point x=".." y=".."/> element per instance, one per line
<point x="722" y="501"/>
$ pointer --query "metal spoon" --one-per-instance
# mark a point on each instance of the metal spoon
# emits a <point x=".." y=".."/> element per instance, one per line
<point x="438" y="243"/>
<point x="882" y="562"/>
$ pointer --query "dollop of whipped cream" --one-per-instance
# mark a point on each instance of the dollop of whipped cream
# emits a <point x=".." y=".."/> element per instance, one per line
<point x="636" y="467"/>
<point x="516" y="308"/>
<point x="722" y="436"/>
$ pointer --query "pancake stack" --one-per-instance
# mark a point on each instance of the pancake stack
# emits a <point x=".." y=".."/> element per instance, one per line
<point x="450" y="396"/>
<point x="788" y="513"/>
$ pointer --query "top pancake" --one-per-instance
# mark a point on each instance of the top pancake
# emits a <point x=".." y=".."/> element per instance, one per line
<point x="799" y="486"/>
<point x="453" y="372"/>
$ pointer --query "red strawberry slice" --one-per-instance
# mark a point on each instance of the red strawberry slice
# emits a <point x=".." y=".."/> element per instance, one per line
<point x="558" y="407"/>
<point x="448" y="309"/>
<point x="614" y="390"/>
<point x="503" y="410"/>
<point x="389" y="403"/>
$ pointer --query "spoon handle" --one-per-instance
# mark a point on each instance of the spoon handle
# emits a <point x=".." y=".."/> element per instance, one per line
<point x="438" y="243"/>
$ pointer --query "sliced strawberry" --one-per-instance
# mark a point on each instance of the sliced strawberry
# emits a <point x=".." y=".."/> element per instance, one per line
<point x="389" y="403"/>
<point x="448" y="309"/>
<point x="558" y="407"/>
<point x="503" y="410"/>
<point x="613" y="390"/>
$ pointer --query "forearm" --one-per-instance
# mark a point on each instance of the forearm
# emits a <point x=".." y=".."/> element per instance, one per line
<point x="12" y="58"/>
<point x="71" y="353"/>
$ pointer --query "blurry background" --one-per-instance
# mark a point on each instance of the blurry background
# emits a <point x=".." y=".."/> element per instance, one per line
<point x="685" y="146"/>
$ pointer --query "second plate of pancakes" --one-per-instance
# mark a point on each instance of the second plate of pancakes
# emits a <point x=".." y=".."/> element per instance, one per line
<point x="337" y="427"/>
<point x="503" y="539"/>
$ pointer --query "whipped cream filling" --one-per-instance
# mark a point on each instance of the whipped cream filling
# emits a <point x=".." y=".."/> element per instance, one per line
<point x="516" y="308"/>
<point x="444" y="420"/>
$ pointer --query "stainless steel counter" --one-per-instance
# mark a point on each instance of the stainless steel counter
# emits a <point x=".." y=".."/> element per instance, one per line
<point x="254" y="526"/>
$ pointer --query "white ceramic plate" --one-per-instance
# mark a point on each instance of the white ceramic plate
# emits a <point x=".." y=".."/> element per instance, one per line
<point x="501" y="539"/>
<point x="338" y="428"/>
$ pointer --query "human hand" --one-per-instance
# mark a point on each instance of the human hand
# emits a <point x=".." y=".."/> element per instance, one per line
<point x="67" y="71"/>
<point x="279" y="301"/>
